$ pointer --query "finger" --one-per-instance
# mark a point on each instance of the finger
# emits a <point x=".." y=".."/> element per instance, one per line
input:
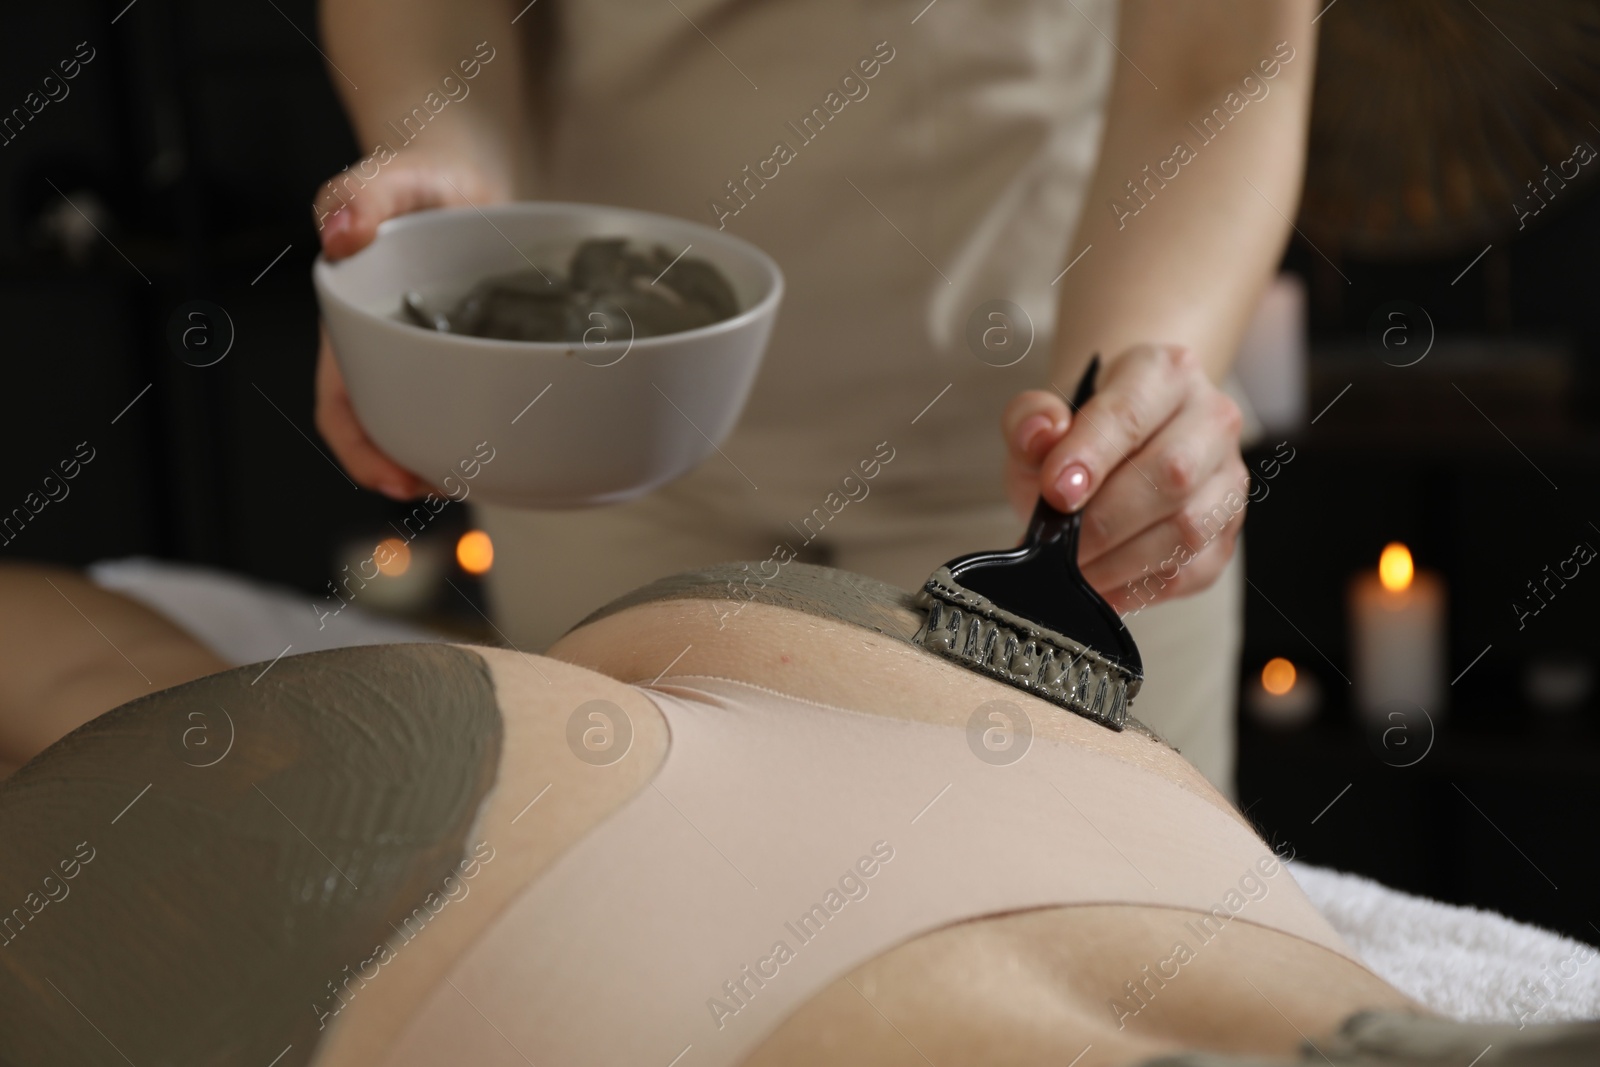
<point x="1159" y="479"/>
<point x="1130" y="596"/>
<point x="1179" y="555"/>
<point x="1032" y="423"/>
<point x="349" y="211"/>
<point x="1143" y="389"/>
<point x="336" y="420"/>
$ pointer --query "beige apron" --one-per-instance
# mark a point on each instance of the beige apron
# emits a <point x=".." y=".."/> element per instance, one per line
<point x="898" y="206"/>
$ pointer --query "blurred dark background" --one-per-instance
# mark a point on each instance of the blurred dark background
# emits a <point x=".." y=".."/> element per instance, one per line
<point x="171" y="143"/>
<point x="160" y="180"/>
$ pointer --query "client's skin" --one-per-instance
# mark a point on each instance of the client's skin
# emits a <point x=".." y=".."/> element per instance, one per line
<point x="1031" y="987"/>
<point x="68" y="651"/>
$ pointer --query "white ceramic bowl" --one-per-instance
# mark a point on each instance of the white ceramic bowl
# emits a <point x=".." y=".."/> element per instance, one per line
<point x="614" y="418"/>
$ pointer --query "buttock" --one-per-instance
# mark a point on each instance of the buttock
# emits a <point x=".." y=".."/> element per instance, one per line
<point x="783" y="842"/>
<point x="280" y="863"/>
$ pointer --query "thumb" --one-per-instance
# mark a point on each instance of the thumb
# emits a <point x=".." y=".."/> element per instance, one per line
<point x="349" y="211"/>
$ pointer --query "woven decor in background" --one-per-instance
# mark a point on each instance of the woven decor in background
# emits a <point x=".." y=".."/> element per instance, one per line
<point x="1432" y="116"/>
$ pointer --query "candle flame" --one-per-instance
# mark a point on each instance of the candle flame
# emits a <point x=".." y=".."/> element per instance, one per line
<point x="475" y="552"/>
<point x="393" y="557"/>
<point x="1394" y="567"/>
<point x="1278" y="676"/>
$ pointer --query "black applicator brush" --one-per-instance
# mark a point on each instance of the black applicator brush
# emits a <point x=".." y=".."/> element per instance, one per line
<point x="1027" y="616"/>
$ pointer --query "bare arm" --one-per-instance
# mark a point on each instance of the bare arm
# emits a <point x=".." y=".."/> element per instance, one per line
<point x="1185" y="219"/>
<point x="387" y="56"/>
<point x="1185" y="261"/>
<point x="438" y="95"/>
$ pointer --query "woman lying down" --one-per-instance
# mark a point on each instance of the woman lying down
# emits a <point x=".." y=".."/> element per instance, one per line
<point x="696" y="832"/>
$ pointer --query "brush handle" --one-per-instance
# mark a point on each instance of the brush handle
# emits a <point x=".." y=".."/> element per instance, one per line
<point x="1048" y="524"/>
<point x="1085" y="389"/>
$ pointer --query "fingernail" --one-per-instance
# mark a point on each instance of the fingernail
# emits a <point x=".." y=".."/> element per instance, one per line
<point x="1030" y="433"/>
<point x="1073" y="485"/>
<point x="337" y="223"/>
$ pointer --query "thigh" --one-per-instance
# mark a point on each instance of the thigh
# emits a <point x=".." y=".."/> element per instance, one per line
<point x="250" y="862"/>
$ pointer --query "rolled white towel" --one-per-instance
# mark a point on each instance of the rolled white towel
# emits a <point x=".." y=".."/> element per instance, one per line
<point x="1473" y="965"/>
<point x="241" y="620"/>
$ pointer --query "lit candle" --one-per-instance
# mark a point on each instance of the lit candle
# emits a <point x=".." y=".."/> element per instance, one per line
<point x="392" y="574"/>
<point x="1280" y="696"/>
<point x="1397" y="637"/>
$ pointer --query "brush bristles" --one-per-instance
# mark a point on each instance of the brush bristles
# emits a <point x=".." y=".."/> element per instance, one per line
<point x="978" y="634"/>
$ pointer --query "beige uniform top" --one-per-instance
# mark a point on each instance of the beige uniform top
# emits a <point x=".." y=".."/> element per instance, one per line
<point x="949" y="178"/>
<point x="906" y="166"/>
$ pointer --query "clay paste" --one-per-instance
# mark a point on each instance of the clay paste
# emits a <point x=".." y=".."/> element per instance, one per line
<point x="224" y="902"/>
<point x="611" y="293"/>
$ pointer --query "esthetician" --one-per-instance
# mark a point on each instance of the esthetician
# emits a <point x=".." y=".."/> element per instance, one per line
<point x="967" y="201"/>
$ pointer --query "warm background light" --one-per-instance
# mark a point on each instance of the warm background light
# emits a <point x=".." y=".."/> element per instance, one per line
<point x="396" y="555"/>
<point x="1394" y="567"/>
<point x="475" y="552"/>
<point x="1277" y="677"/>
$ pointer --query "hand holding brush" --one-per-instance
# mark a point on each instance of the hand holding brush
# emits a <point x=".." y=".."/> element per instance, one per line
<point x="1153" y="460"/>
<point x="1027" y="616"/>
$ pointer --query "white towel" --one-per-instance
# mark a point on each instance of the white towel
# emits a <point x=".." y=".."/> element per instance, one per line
<point x="1462" y="962"/>
<point x="242" y="620"/>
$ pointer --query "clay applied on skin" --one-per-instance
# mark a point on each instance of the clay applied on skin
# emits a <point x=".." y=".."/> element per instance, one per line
<point x="821" y="591"/>
<point x="232" y="884"/>
<point x="824" y="592"/>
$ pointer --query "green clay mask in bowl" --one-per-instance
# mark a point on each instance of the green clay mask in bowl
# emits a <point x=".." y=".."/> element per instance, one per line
<point x="529" y="333"/>
<point x="608" y="286"/>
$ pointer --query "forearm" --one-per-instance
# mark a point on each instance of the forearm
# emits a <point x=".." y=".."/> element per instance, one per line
<point x="456" y="71"/>
<point x="1183" y="256"/>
